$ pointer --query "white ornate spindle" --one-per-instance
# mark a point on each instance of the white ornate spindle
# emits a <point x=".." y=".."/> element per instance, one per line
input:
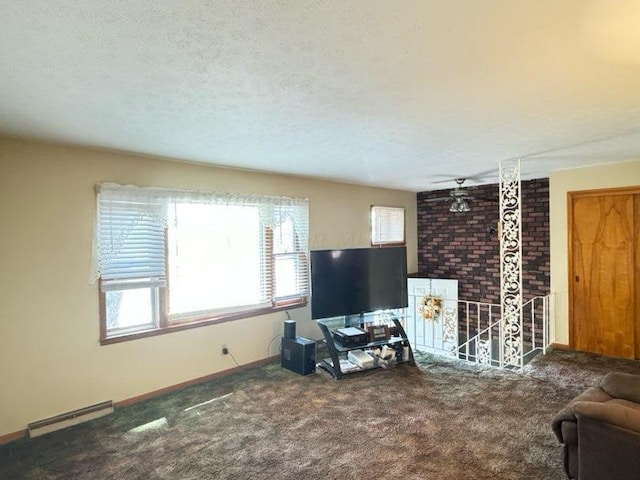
<point x="450" y="329"/>
<point x="511" y="264"/>
<point x="483" y="352"/>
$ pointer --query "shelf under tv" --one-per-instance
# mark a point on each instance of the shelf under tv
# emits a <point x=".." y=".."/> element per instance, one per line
<point x="337" y="351"/>
<point x="327" y="365"/>
<point x="378" y="343"/>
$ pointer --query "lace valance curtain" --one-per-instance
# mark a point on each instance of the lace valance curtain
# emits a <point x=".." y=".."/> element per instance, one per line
<point x="129" y="240"/>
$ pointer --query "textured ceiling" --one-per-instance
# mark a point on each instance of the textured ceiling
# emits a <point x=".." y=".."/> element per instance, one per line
<point x="401" y="94"/>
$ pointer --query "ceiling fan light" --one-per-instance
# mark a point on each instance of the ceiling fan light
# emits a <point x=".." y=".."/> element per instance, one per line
<point x="459" y="205"/>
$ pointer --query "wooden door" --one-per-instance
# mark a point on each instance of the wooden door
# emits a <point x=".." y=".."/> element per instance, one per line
<point x="603" y="268"/>
<point x="636" y="221"/>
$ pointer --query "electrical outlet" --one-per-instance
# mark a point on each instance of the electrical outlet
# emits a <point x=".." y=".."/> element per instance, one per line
<point x="225" y="350"/>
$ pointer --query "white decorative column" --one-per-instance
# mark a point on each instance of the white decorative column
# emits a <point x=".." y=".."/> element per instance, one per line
<point x="511" y="354"/>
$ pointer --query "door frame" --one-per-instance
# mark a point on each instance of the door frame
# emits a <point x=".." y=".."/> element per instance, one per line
<point x="635" y="190"/>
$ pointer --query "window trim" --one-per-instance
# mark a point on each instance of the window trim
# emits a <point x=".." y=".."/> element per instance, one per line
<point x="176" y="327"/>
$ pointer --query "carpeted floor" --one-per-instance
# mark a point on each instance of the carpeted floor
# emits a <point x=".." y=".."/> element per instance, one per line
<point x="441" y="420"/>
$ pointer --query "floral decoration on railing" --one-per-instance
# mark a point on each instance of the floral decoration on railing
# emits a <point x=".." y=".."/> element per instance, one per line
<point x="431" y="307"/>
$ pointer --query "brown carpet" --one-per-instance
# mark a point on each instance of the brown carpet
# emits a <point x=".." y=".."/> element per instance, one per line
<point x="441" y="420"/>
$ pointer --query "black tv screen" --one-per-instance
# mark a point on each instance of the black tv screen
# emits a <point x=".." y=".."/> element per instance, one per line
<point x="357" y="280"/>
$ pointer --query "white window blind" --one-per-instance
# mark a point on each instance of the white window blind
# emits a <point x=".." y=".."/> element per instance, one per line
<point x="290" y="246"/>
<point x="387" y="225"/>
<point x="131" y="240"/>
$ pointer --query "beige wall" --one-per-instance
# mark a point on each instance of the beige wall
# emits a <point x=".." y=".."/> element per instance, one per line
<point x="560" y="183"/>
<point x="51" y="361"/>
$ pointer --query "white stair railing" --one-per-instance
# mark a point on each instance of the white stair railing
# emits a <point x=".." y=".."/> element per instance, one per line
<point x="536" y="315"/>
<point x="480" y="348"/>
<point x="484" y="347"/>
<point x="478" y="332"/>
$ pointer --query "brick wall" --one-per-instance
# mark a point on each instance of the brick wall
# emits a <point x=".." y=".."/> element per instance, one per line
<point x="460" y="245"/>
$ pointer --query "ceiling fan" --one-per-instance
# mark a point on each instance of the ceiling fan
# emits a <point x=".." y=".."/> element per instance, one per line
<point x="459" y="198"/>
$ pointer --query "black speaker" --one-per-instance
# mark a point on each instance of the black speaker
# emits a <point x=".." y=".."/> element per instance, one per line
<point x="290" y="329"/>
<point x="298" y="355"/>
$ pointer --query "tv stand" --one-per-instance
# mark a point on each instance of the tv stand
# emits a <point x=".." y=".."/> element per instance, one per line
<point x="338" y="352"/>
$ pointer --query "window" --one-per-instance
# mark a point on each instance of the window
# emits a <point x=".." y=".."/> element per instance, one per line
<point x="387" y="225"/>
<point x="167" y="259"/>
<point x="215" y="259"/>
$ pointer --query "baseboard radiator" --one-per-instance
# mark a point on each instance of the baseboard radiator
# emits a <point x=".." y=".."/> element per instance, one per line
<point x="69" y="419"/>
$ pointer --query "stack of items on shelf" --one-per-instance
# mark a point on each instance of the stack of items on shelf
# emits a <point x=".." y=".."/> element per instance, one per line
<point x="345" y="365"/>
<point x="351" y="336"/>
<point x="385" y="357"/>
<point x="360" y="358"/>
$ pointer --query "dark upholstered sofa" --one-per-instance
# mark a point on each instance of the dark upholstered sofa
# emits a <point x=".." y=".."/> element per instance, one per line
<point x="600" y="430"/>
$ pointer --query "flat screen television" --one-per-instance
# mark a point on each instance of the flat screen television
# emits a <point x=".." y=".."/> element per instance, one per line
<point x="358" y="280"/>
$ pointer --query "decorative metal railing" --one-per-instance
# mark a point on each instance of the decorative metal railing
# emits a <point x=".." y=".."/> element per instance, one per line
<point x="482" y="331"/>
<point x="474" y="332"/>
<point x="536" y="315"/>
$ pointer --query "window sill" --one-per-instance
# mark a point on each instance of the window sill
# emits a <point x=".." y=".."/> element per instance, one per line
<point x="202" y="322"/>
<point x="388" y="244"/>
